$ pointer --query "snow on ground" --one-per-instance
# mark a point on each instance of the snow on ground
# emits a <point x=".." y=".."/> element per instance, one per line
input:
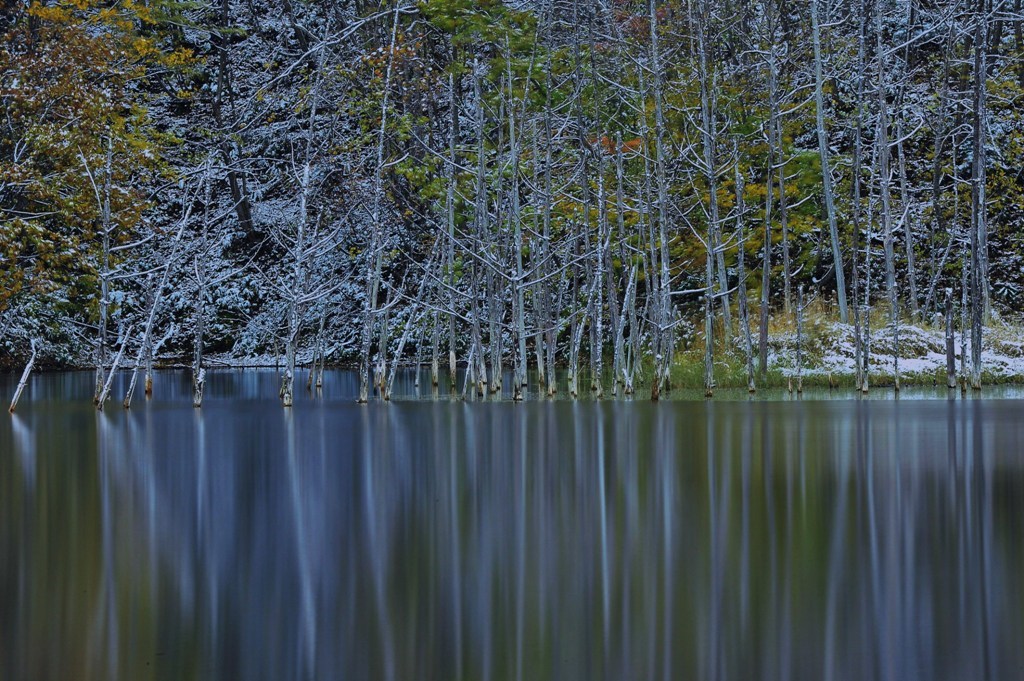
<point x="829" y="349"/>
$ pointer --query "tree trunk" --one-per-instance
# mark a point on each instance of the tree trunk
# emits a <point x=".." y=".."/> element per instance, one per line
<point x="374" y="254"/>
<point x="741" y="274"/>
<point x="198" y="373"/>
<point x="538" y="265"/>
<point x="766" y="264"/>
<point x="866" y="316"/>
<point x="1018" y="39"/>
<point x="908" y="234"/>
<point x="105" y="392"/>
<point x="855" y="198"/>
<point x="199" y="266"/>
<point x="787" y="267"/>
<point x="709" y="138"/>
<point x="664" y="354"/>
<point x="101" y="352"/>
<point x="799" y="339"/>
<point x="154" y="298"/>
<point x="978" y="229"/>
<point x="884" y="178"/>
<point x="236" y="183"/>
<point x="480" y="227"/>
<point x="24" y="379"/>
<point x="619" y="319"/>
<point x="519" y="300"/>
<point x="450" y="223"/>
<point x="435" y="342"/>
<point x="826" y="172"/>
<point x="965" y="308"/>
<point x="938" y="222"/>
<point x="950" y="342"/>
<point x="709" y="328"/>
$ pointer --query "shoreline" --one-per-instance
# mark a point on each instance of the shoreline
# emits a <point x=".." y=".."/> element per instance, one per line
<point x="827" y="349"/>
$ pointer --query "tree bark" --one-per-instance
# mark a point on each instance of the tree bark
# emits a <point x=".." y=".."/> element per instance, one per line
<point x="24" y="379"/>
<point x="741" y="275"/>
<point x="105" y="226"/>
<point x="236" y="181"/>
<point x="105" y="391"/>
<point x="452" y="180"/>
<point x="663" y="356"/>
<point x="978" y="237"/>
<point x="799" y="339"/>
<point x="884" y="178"/>
<point x="766" y="265"/>
<point x="375" y="255"/>
<point x="950" y="342"/>
<point x="826" y="172"/>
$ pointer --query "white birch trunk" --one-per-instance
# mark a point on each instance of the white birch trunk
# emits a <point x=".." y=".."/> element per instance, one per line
<point x="105" y="391"/>
<point x="375" y="254"/>
<point x="799" y="339"/>
<point x="826" y="171"/>
<point x="663" y="353"/>
<point x="741" y="274"/>
<point x="24" y="379"/>
<point x="105" y="226"/>
<point x="950" y="342"/>
<point x="978" y="237"/>
<point x="884" y="178"/>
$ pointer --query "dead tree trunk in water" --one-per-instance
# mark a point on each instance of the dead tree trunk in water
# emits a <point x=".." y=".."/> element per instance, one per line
<point x="480" y="227"/>
<point x="885" y="180"/>
<point x="709" y="140"/>
<point x="741" y="274"/>
<point x="435" y="342"/>
<point x="964" y="308"/>
<point x="198" y="373"/>
<point x="950" y="343"/>
<point x="978" y="236"/>
<point x="199" y="266"/>
<point x="800" y="339"/>
<point x="619" y="319"/>
<point x="826" y="171"/>
<point x="298" y="273"/>
<point x="866" y="314"/>
<point x="103" y="201"/>
<point x="105" y="391"/>
<point x="908" y="236"/>
<point x="766" y="263"/>
<point x="663" y="355"/>
<point x="375" y="252"/>
<point x="519" y="296"/>
<point x="709" y="328"/>
<point x="551" y="308"/>
<point x="24" y="379"/>
<point x="450" y="222"/>
<point x="855" y="198"/>
<point x="538" y="266"/>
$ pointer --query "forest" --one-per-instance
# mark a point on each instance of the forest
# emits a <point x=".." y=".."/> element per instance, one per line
<point x="580" y="188"/>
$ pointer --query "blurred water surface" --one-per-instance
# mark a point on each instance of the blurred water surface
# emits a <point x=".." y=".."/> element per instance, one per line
<point x="440" y="539"/>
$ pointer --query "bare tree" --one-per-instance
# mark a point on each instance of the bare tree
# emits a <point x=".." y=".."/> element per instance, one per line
<point x="826" y="169"/>
<point x="978" y="225"/>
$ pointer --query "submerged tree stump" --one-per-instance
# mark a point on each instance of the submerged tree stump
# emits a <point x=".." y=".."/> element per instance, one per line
<point x="24" y="379"/>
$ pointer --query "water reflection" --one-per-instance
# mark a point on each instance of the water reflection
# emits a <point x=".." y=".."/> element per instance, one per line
<point x="450" y="540"/>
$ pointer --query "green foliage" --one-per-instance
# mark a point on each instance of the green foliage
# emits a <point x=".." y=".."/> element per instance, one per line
<point x="69" y="72"/>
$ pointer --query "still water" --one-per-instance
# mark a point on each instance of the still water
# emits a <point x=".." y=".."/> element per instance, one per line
<point x="438" y="539"/>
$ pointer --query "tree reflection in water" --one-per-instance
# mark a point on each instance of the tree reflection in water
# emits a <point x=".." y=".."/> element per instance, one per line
<point x="449" y="540"/>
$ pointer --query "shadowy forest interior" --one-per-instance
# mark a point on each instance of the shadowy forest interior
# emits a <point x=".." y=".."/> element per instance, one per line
<point x="596" y="186"/>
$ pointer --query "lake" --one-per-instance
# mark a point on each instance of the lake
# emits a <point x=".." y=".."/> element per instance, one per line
<point x="438" y="539"/>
